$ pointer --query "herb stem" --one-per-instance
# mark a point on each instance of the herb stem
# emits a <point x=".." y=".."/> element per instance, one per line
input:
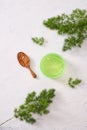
<point x="6" y="121"/>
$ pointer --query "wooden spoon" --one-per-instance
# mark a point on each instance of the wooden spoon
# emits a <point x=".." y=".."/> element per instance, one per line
<point x="24" y="60"/>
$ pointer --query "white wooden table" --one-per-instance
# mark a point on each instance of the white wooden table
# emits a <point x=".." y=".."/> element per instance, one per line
<point x="20" y="20"/>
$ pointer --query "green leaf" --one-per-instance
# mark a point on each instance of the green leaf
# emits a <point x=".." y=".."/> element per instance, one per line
<point x="72" y="83"/>
<point x="73" y="25"/>
<point x="35" y="104"/>
<point x="38" y="41"/>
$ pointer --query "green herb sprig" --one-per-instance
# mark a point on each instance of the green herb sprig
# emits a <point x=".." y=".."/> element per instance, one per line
<point x="39" y="41"/>
<point x="35" y="105"/>
<point x="72" y="83"/>
<point x="74" y="25"/>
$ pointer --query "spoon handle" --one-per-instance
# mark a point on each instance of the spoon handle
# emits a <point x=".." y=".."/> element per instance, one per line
<point x="32" y="72"/>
